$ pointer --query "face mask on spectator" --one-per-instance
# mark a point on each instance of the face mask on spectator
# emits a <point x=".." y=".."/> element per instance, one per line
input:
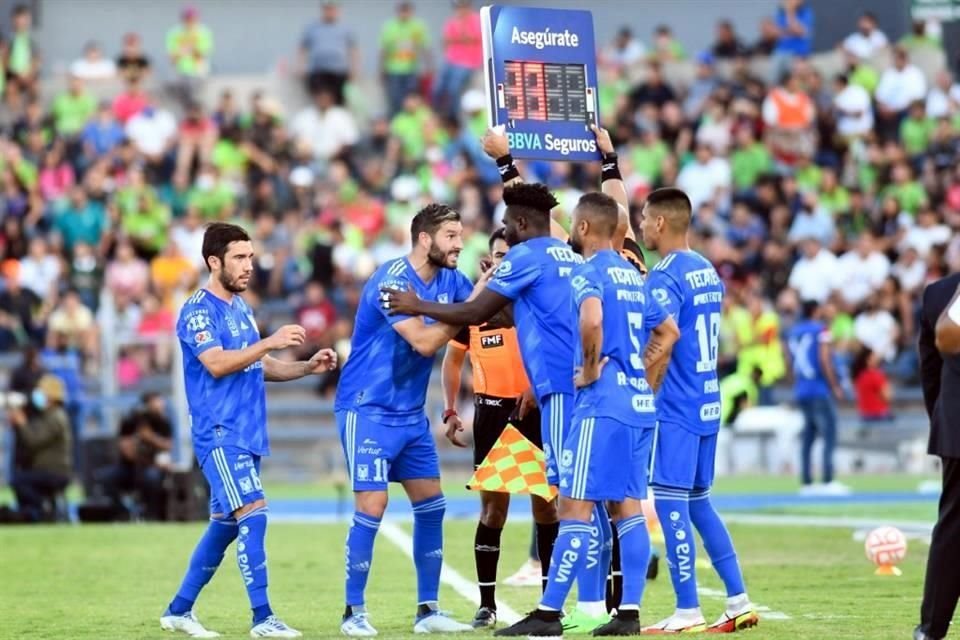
<point x="39" y="399"/>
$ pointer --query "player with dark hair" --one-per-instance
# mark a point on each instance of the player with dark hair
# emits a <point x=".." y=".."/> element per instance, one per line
<point x="534" y="276"/>
<point x="499" y="382"/>
<point x="606" y="453"/>
<point x="380" y="414"/>
<point x="225" y="364"/>
<point x="688" y="415"/>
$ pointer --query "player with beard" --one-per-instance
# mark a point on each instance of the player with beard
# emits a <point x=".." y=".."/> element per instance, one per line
<point x="225" y="364"/>
<point x="380" y="414"/>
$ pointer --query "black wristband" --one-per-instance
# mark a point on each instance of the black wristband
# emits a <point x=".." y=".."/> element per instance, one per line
<point x="508" y="170"/>
<point x="609" y="168"/>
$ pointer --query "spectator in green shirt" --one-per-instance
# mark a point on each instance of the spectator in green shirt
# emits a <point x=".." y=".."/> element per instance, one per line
<point x="404" y="43"/>
<point x="749" y="160"/>
<point x="918" y="38"/>
<point x="23" y="56"/>
<point x="211" y="198"/>
<point x="412" y="131"/>
<point x="666" y="48"/>
<point x="648" y="156"/>
<point x="83" y="221"/>
<point x="916" y="130"/>
<point x="73" y="108"/>
<point x="147" y="226"/>
<point x="738" y="391"/>
<point x="860" y="73"/>
<point x="908" y="192"/>
<point x="190" y="45"/>
<point x="833" y="197"/>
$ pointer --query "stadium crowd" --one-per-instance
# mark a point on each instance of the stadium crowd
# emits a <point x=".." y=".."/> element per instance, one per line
<point x="840" y="189"/>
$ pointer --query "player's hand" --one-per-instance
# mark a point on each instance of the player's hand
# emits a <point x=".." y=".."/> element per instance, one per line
<point x="527" y="404"/>
<point x="604" y="144"/>
<point x="399" y="302"/>
<point x="495" y="142"/>
<point x="583" y="378"/>
<point x="323" y="361"/>
<point x="289" y="335"/>
<point x="455" y="426"/>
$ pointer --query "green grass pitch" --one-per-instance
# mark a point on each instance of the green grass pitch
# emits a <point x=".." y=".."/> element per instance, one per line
<point x="113" y="581"/>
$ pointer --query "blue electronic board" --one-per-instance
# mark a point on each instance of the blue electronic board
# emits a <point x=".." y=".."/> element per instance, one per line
<point x="540" y="69"/>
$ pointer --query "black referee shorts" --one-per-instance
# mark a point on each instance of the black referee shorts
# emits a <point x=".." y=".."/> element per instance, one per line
<point x="490" y="418"/>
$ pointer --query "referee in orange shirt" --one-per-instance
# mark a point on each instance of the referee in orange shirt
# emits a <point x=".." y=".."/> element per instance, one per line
<point x="501" y="395"/>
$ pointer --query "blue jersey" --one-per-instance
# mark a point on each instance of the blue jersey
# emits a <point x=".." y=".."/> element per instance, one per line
<point x="804" y="340"/>
<point x="230" y="411"/>
<point x="629" y="314"/>
<point x="536" y="275"/>
<point x="384" y="378"/>
<point x="691" y="291"/>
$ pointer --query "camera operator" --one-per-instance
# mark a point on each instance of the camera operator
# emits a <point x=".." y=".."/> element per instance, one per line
<point x="44" y="439"/>
<point x="145" y="440"/>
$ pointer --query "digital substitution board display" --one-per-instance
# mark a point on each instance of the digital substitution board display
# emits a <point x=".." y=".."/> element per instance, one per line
<point x="541" y="77"/>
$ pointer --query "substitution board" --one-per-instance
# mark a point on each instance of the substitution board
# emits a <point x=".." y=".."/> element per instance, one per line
<point x="540" y="69"/>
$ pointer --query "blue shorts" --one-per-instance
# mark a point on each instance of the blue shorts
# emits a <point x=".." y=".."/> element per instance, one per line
<point x="555" y="412"/>
<point x="377" y="454"/>
<point x="234" y="478"/>
<point x="682" y="459"/>
<point x="605" y="459"/>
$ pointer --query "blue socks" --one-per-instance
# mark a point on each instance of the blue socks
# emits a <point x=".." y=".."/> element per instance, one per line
<point x="634" y="557"/>
<point x="716" y="541"/>
<point x="673" y="509"/>
<point x="592" y="580"/>
<point x="359" y="555"/>
<point x="428" y="546"/>
<point x="252" y="560"/>
<point x="567" y="562"/>
<point x="204" y="562"/>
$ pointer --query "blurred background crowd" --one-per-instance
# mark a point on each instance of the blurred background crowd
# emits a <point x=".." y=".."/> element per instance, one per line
<point x="829" y="177"/>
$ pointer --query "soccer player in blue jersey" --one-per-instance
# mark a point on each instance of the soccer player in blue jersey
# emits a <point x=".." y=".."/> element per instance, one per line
<point x="535" y="277"/>
<point x="605" y="455"/>
<point x="225" y="364"/>
<point x="688" y="415"/>
<point x="815" y="386"/>
<point x="380" y="413"/>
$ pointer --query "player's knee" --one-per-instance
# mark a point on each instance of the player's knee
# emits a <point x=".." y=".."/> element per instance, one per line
<point x="493" y="510"/>
<point x="571" y="509"/>
<point x="371" y="503"/>
<point x="544" y="511"/>
<point x="247" y="508"/>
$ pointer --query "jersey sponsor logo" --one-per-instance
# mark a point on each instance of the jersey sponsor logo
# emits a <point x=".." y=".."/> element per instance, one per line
<point x="203" y="337"/>
<point x="567" y="561"/>
<point x="368" y="450"/>
<point x="198" y="320"/>
<point x="660" y="295"/>
<point x="363" y="472"/>
<point x="489" y="342"/>
<point x="564" y="254"/>
<point x="710" y="411"/>
<point x="622" y="275"/>
<point x="579" y="283"/>
<point x="505" y="269"/>
<point x="246" y="486"/>
<point x="711" y="386"/>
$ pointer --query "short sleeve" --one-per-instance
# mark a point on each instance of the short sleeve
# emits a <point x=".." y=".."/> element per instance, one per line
<point x="197" y="328"/>
<point x="388" y="281"/>
<point x="585" y="284"/>
<point x="654" y="313"/>
<point x="462" y="287"/>
<point x="664" y="289"/>
<point x="518" y="271"/>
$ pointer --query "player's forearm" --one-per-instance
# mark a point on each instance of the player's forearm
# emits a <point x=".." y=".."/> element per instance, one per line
<point x="450" y="378"/>
<point x="656" y="373"/>
<point x="826" y="361"/>
<point x="275" y="370"/>
<point x="223" y="362"/>
<point x="591" y="337"/>
<point x="660" y="344"/>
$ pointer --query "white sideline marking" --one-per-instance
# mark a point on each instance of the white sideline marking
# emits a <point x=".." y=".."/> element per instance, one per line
<point x="466" y="588"/>
<point x="765" y="612"/>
